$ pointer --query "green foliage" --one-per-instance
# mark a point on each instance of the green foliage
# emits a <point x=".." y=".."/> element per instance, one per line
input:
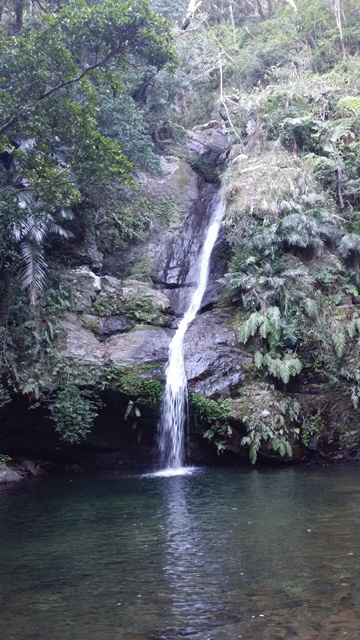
<point x="213" y="417"/>
<point x="174" y="9"/>
<point x="73" y="412"/>
<point x="272" y="334"/>
<point x="4" y="459"/>
<point x="268" y="417"/>
<point x="55" y="81"/>
<point x="4" y="396"/>
<point x="352" y="374"/>
<point x="140" y="309"/>
<point x="116" y="218"/>
<point x="133" y="382"/>
<point x="283" y="367"/>
<point x="121" y="119"/>
<point x="267" y="325"/>
<point x="311" y="427"/>
<point x="134" y="412"/>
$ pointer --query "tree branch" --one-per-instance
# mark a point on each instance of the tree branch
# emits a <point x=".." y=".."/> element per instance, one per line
<point x="96" y="65"/>
<point x="222" y="100"/>
<point x="190" y="12"/>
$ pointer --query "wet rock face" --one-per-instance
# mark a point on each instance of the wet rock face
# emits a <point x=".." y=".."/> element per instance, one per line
<point x="168" y="258"/>
<point x="180" y="184"/>
<point x="100" y="332"/>
<point x="212" y="363"/>
<point x="178" y="253"/>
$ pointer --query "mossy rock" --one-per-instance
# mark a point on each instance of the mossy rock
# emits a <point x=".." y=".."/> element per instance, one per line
<point x="91" y="323"/>
<point x="141" y="310"/>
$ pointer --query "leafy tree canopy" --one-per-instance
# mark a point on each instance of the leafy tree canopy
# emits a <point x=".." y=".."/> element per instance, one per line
<point x="50" y="81"/>
<point x="55" y="73"/>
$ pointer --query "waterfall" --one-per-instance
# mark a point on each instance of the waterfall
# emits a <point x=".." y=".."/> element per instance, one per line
<point x="170" y="437"/>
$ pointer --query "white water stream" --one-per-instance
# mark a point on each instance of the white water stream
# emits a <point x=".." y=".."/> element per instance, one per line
<point x="173" y="413"/>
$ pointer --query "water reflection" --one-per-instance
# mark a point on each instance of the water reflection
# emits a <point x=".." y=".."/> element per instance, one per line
<point x="190" y="567"/>
<point x="266" y="555"/>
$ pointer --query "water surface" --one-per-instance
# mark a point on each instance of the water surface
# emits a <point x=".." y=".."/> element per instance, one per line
<point x="219" y="555"/>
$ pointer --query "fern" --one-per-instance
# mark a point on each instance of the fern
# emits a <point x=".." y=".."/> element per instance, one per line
<point x="265" y="327"/>
<point x="34" y="269"/>
<point x="283" y="369"/>
<point x="310" y="308"/>
<point x="350" y="103"/>
<point x="338" y="338"/>
<point x="250" y="326"/>
<point x="258" y="359"/>
<point x="349" y="243"/>
<point x="253" y="451"/>
<point x="273" y="316"/>
<point x="342" y="128"/>
<point x="31" y="234"/>
<point x="353" y="327"/>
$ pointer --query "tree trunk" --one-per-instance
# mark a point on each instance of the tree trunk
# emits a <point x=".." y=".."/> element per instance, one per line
<point x="190" y="12"/>
<point x="2" y="7"/>
<point x="19" y="15"/>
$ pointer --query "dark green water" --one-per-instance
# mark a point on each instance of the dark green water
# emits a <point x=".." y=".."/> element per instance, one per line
<point x="220" y="555"/>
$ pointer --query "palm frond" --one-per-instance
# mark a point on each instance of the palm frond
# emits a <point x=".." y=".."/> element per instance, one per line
<point x="342" y="128"/>
<point x="349" y="243"/>
<point x="33" y="273"/>
<point x="56" y="229"/>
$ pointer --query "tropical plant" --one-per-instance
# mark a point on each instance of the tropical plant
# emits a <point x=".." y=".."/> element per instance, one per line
<point x="270" y="419"/>
<point x="212" y="416"/>
<point x="73" y="412"/>
<point x="56" y="72"/>
<point x="349" y="248"/>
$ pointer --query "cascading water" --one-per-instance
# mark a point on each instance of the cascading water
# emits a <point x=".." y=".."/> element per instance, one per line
<point x="170" y="436"/>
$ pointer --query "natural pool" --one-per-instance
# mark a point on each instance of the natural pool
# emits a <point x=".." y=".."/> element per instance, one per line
<point x="258" y="554"/>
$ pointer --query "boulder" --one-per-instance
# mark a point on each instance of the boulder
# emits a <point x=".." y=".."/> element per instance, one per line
<point x="80" y="343"/>
<point x="85" y="287"/>
<point x="212" y="363"/>
<point x="9" y="475"/>
<point x="133" y="289"/>
<point x="141" y="345"/>
<point x="115" y="324"/>
<point x="108" y="296"/>
<point x="209" y="140"/>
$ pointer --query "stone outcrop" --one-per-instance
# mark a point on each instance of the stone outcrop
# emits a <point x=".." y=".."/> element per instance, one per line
<point x="90" y="291"/>
<point x="108" y="325"/>
<point x="208" y="139"/>
<point x="213" y="364"/>
<point x="168" y="257"/>
<point x="9" y="475"/>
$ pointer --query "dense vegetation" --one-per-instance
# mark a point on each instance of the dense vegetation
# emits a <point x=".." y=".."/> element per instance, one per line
<point x="72" y="130"/>
<point x="80" y="81"/>
<point x="283" y="78"/>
